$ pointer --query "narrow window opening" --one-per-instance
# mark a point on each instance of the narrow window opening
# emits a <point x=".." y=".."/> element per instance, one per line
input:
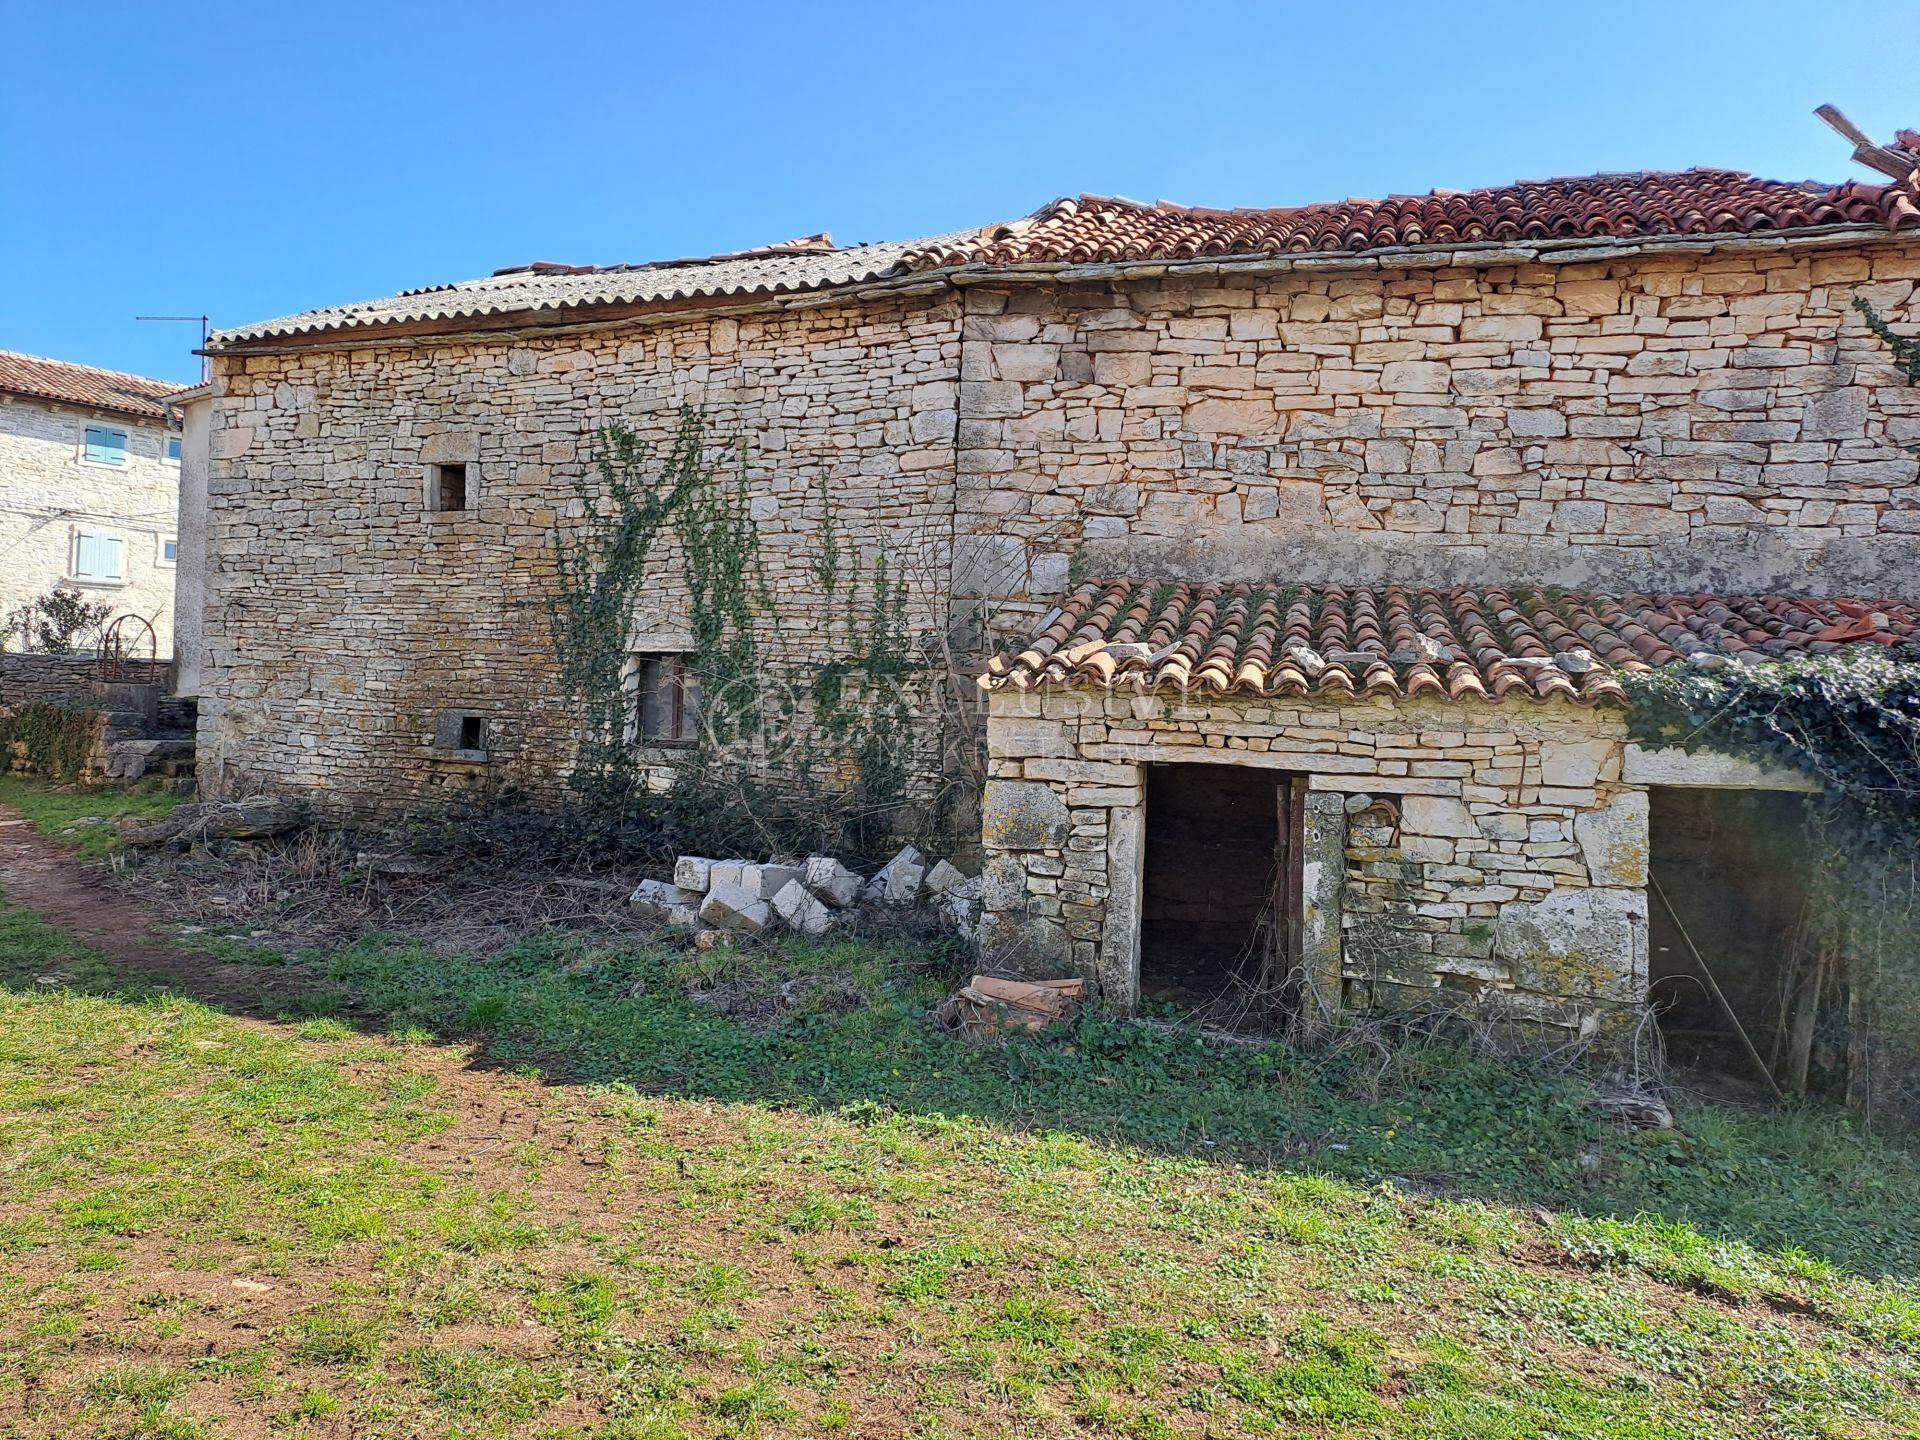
<point x="666" y="700"/>
<point x="449" y="487"/>
<point x="473" y="732"/>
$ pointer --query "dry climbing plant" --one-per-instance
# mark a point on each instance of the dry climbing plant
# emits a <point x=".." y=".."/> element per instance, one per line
<point x="809" y="723"/>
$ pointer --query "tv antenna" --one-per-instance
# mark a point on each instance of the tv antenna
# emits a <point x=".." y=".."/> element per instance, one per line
<point x="201" y="321"/>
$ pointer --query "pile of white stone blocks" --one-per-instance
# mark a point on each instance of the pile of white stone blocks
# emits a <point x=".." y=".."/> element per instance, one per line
<point x="748" y="896"/>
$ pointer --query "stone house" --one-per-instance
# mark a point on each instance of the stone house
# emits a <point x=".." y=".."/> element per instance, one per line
<point x="1363" y="475"/>
<point x="89" y="488"/>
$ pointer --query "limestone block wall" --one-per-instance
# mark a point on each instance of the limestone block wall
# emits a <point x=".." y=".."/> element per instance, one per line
<point x="1493" y="851"/>
<point x="1715" y="421"/>
<point x="343" y="617"/>
<point x="48" y="492"/>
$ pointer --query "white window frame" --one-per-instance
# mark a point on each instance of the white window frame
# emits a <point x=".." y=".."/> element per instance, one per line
<point x="173" y="437"/>
<point x="160" y="543"/>
<point x="126" y="446"/>
<point x="73" y="559"/>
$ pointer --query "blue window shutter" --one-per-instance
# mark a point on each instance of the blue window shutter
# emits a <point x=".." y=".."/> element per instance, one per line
<point x="97" y="557"/>
<point x="105" y="446"/>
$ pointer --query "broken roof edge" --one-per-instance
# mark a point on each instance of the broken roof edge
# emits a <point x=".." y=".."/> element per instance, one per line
<point x="285" y="333"/>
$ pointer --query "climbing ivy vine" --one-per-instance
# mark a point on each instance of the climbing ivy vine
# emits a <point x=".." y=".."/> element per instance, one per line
<point x="806" y="701"/>
<point x="600" y="562"/>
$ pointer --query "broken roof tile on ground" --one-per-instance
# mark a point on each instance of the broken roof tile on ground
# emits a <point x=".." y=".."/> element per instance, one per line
<point x="1452" y="644"/>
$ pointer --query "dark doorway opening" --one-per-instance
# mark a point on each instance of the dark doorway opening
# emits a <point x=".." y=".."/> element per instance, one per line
<point x="1727" y="911"/>
<point x="1219" y="907"/>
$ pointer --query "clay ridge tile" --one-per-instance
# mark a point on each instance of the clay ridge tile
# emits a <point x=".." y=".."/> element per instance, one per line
<point x="1464" y="643"/>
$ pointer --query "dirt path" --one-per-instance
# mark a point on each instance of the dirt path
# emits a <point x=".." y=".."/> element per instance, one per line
<point x="46" y="878"/>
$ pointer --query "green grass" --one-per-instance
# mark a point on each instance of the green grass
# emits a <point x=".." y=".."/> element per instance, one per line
<point x="844" y="1221"/>
<point x="84" y="817"/>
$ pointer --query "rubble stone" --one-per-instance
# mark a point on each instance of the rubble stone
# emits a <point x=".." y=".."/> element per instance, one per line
<point x="732" y="907"/>
<point x="831" y="881"/>
<point x="943" y="877"/>
<point x="691" y="872"/>
<point x="898" y="881"/>
<point x="799" y="907"/>
<point x="659" y="900"/>
<point x="770" y="880"/>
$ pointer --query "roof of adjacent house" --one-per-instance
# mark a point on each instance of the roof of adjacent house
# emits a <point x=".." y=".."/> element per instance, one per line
<point x="68" y="384"/>
<point x="1340" y="641"/>
<point x="1702" y="203"/>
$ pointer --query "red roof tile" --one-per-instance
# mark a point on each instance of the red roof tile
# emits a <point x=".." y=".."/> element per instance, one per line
<point x="1095" y="229"/>
<point x="83" y="385"/>
<point x="1461" y="644"/>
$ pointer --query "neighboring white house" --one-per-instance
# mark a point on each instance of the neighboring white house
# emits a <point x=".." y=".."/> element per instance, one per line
<point x="89" y="488"/>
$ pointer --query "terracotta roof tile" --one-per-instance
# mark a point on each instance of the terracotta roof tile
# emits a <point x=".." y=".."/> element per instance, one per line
<point x="67" y="384"/>
<point x="1487" y="644"/>
<point x="1095" y="229"/>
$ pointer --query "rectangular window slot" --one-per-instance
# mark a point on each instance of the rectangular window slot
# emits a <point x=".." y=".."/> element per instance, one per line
<point x="461" y="734"/>
<point x="449" y="487"/>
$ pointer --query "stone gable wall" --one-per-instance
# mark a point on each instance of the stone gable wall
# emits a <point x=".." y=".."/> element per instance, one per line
<point x="343" y="618"/>
<point x="48" y="492"/>
<point x="1715" y="421"/>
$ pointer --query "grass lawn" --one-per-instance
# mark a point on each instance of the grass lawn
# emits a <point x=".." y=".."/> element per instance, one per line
<point x="546" y="1192"/>
<point x="84" y="817"/>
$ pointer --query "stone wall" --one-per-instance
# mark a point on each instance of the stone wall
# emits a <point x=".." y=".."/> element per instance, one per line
<point x="1492" y="851"/>
<point x="48" y="492"/>
<point x="344" y="618"/>
<point x="1716" y="420"/>
<point x="47" y="679"/>
<point x="1709" y="421"/>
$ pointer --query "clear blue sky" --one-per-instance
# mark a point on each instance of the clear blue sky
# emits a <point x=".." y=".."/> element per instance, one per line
<point x="253" y="159"/>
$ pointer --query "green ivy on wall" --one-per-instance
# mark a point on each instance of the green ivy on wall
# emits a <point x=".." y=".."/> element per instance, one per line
<point x="55" y="741"/>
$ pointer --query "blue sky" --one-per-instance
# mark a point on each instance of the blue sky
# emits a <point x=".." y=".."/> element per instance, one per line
<point x="251" y="160"/>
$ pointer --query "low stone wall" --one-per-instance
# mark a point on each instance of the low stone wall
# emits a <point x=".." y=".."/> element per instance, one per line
<point x="46" y="679"/>
<point x="1497" y="851"/>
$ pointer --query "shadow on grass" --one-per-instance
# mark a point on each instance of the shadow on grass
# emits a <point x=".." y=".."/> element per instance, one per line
<point x="844" y="1026"/>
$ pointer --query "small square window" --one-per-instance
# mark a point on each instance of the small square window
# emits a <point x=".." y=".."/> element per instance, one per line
<point x="169" y="551"/>
<point x="174" y="446"/>
<point x="665" y="700"/>
<point x="462" y="734"/>
<point x="447" y="489"/>
<point x="106" y="446"/>
<point x="99" y="558"/>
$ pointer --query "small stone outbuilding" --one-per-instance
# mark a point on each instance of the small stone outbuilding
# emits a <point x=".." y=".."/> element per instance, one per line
<point x="1325" y="797"/>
